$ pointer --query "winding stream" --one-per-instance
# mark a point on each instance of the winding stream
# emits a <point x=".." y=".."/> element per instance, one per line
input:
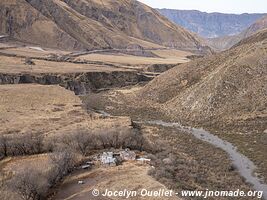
<point x="244" y="165"/>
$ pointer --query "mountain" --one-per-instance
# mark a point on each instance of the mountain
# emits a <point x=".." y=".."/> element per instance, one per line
<point x="228" y="86"/>
<point x="91" y="24"/>
<point x="227" y="42"/>
<point x="255" y="27"/>
<point x="211" y="25"/>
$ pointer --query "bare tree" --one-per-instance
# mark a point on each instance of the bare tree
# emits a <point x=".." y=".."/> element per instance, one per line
<point x="25" y="144"/>
<point x="63" y="163"/>
<point x="30" y="185"/>
<point x="83" y="141"/>
<point x="3" y="146"/>
<point x="80" y="141"/>
<point x="103" y="138"/>
<point x="28" y="61"/>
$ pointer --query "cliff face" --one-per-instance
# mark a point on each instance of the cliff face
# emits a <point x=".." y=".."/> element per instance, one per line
<point x="84" y="24"/>
<point x="80" y="83"/>
<point x="211" y="25"/>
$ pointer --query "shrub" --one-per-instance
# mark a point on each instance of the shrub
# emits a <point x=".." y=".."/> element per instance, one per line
<point x="28" y="61"/>
<point x="30" y="184"/>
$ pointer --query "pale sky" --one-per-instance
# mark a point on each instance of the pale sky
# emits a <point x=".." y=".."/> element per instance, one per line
<point x="224" y="6"/>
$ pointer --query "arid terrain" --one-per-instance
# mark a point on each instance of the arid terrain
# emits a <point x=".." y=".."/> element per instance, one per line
<point x="77" y="25"/>
<point x="112" y="179"/>
<point x="226" y="42"/>
<point x="111" y="95"/>
<point x="224" y="93"/>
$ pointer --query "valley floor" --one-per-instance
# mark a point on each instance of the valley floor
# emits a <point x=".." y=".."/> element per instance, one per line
<point x="246" y="137"/>
<point x="53" y="117"/>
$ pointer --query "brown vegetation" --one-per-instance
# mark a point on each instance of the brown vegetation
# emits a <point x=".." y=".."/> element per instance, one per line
<point x="224" y="93"/>
<point x="185" y="163"/>
<point x="34" y="184"/>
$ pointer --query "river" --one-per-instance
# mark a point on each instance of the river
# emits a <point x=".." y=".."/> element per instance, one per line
<point x="244" y="165"/>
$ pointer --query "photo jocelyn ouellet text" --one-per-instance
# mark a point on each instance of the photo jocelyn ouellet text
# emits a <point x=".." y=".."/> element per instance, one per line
<point x="170" y="193"/>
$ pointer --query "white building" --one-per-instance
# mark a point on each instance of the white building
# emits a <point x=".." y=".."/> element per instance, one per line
<point x="108" y="159"/>
<point x="144" y="160"/>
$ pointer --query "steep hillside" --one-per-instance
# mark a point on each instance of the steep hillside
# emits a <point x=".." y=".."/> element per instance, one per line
<point x="227" y="42"/>
<point x="84" y="24"/>
<point x="256" y="27"/>
<point x="210" y="25"/>
<point x="231" y="86"/>
<point x="21" y="21"/>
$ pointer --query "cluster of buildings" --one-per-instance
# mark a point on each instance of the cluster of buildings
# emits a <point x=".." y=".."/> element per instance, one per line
<point x="115" y="158"/>
<point x="112" y="159"/>
<point x="109" y="159"/>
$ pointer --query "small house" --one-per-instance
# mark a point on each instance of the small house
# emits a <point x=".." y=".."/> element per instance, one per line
<point x="144" y="160"/>
<point x="127" y="155"/>
<point x="107" y="158"/>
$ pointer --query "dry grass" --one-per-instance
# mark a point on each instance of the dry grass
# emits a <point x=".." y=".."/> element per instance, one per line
<point x="46" y="109"/>
<point x="166" y="57"/>
<point x="130" y="176"/>
<point x="16" y="165"/>
<point x="30" y="51"/>
<point x="16" y="65"/>
<point x="12" y="167"/>
<point x="123" y="62"/>
<point x="36" y="108"/>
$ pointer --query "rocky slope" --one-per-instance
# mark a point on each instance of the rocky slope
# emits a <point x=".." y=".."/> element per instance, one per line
<point x="227" y="42"/>
<point x="84" y="24"/>
<point x="80" y="83"/>
<point x="210" y="25"/>
<point x="229" y="86"/>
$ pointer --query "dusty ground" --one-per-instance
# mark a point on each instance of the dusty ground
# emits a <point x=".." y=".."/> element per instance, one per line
<point x="130" y="176"/>
<point x="47" y="110"/>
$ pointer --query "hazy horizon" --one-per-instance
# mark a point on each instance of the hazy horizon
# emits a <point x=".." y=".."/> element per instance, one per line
<point x="210" y="6"/>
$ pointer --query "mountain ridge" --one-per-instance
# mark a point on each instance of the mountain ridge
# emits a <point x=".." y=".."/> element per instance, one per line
<point x="223" y="43"/>
<point x="84" y="24"/>
<point x="225" y="87"/>
<point x="211" y="25"/>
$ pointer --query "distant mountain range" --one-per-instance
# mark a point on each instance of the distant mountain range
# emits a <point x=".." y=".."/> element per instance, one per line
<point x="211" y="25"/>
<point x="226" y="42"/>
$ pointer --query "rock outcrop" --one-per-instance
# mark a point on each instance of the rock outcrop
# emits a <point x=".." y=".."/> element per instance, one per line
<point x="80" y="83"/>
